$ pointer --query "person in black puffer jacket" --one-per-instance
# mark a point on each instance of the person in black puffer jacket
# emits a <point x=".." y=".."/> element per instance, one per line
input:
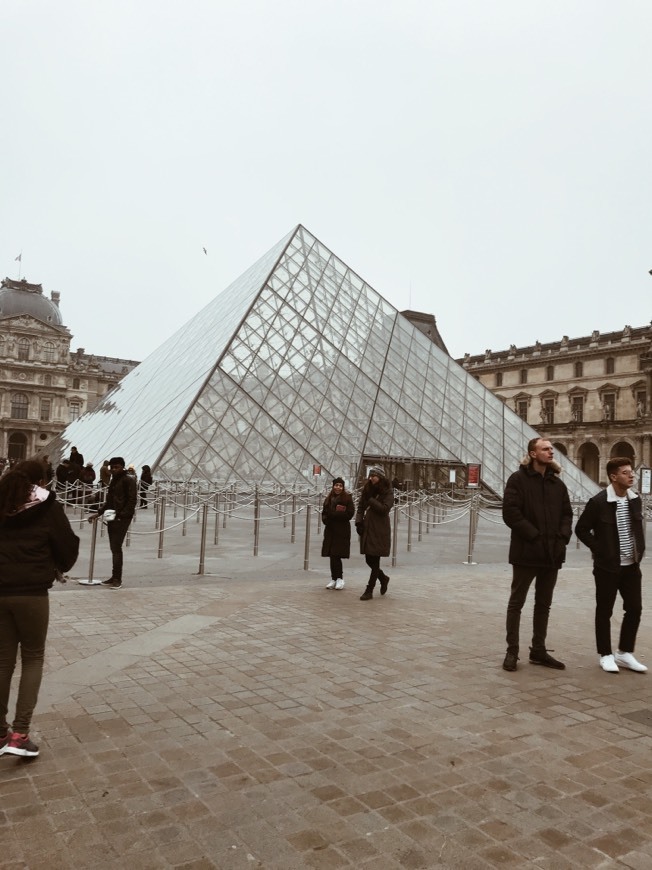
<point x="36" y="542"/>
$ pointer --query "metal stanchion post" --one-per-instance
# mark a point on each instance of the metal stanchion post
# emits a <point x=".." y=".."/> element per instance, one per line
<point x="256" y="521"/>
<point x="306" y="549"/>
<point x="89" y="581"/>
<point x="216" y="534"/>
<point x="293" y="524"/>
<point x="185" y="513"/>
<point x="161" y="527"/>
<point x="394" y="535"/>
<point x="472" y="509"/>
<point x="409" y="530"/>
<point x="420" y="520"/>
<point x="202" y="548"/>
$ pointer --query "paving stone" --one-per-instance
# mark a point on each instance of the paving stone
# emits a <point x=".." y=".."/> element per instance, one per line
<point x="255" y="720"/>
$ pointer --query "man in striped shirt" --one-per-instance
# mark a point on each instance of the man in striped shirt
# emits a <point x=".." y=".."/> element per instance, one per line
<point x="611" y="526"/>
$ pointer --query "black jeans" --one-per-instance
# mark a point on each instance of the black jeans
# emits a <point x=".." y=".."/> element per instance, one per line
<point x="374" y="563"/>
<point x="607" y="585"/>
<point x="23" y="623"/>
<point x="117" y="531"/>
<point x="337" y="570"/>
<point x="544" y="586"/>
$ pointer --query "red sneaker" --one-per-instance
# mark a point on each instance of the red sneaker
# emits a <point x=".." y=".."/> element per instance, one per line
<point x="20" y="744"/>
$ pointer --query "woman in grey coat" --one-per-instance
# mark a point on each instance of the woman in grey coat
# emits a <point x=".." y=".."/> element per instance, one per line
<point x="373" y="525"/>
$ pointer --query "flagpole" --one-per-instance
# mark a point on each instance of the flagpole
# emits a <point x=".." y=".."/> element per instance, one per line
<point x="20" y="263"/>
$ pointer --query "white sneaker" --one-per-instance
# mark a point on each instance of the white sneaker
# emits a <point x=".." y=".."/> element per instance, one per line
<point x="330" y="584"/>
<point x="608" y="664"/>
<point x="627" y="660"/>
<point x="339" y="584"/>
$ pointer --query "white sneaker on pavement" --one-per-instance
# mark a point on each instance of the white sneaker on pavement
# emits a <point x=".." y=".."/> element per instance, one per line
<point x="627" y="660"/>
<point x="608" y="664"/>
<point x="330" y="584"/>
<point x="339" y="584"/>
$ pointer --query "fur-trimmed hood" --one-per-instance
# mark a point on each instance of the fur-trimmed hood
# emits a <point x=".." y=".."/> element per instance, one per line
<point x="555" y="467"/>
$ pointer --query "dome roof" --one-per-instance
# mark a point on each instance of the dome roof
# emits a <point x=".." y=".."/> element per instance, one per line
<point x="19" y="297"/>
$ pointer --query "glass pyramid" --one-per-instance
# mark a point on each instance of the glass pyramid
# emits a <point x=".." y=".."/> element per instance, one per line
<point x="299" y="363"/>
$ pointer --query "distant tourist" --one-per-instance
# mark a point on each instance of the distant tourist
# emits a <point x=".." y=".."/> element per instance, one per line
<point x="537" y="509"/>
<point x="336" y="515"/>
<point x="611" y="526"/>
<point x="76" y="458"/>
<point x="105" y="474"/>
<point x="146" y="481"/>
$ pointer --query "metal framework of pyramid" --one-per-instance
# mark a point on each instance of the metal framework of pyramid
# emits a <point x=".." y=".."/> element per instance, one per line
<point x="298" y="363"/>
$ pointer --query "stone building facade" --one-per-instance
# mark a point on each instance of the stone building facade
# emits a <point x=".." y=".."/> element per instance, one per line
<point x="43" y="385"/>
<point x="590" y="396"/>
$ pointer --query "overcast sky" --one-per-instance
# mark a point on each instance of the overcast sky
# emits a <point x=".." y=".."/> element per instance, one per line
<point x="488" y="161"/>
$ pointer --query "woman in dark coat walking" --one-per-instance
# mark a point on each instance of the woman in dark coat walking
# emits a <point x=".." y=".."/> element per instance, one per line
<point x="373" y="525"/>
<point x="336" y="516"/>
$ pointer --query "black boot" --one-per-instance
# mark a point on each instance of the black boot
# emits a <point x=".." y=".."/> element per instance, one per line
<point x="368" y="593"/>
<point x="384" y="580"/>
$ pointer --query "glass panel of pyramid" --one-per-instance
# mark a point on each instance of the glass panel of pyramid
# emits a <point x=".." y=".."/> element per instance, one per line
<point x="298" y="363"/>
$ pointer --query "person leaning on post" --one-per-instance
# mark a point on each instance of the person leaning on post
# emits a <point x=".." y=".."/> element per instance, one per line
<point x="121" y="498"/>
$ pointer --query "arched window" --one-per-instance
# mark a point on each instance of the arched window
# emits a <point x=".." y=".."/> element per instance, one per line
<point x="579" y="369"/>
<point x="48" y="352"/>
<point x="610" y="365"/>
<point x="23" y="348"/>
<point x="19" y="406"/>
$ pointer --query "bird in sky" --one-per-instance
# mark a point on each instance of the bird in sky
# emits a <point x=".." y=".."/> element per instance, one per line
<point x="205" y="251"/>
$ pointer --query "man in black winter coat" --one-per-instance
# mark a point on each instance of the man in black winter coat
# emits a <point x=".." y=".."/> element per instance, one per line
<point x="121" y="500"/>
<point x="537" y="509"/>
<point x="611" y="526"/>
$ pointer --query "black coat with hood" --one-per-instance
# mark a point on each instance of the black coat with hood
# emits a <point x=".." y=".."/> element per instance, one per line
<point x="537" y="509"/>
<point x="34" y="544"/>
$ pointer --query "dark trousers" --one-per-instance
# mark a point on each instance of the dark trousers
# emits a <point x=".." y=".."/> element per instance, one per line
<point x="117" y="531"/>
<point x="374" y="564"/>
<point x="337" y="569"/>
<point x="607" y="585"/>
<point x="23" y="622"/>
<point x="544" y="586"/>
